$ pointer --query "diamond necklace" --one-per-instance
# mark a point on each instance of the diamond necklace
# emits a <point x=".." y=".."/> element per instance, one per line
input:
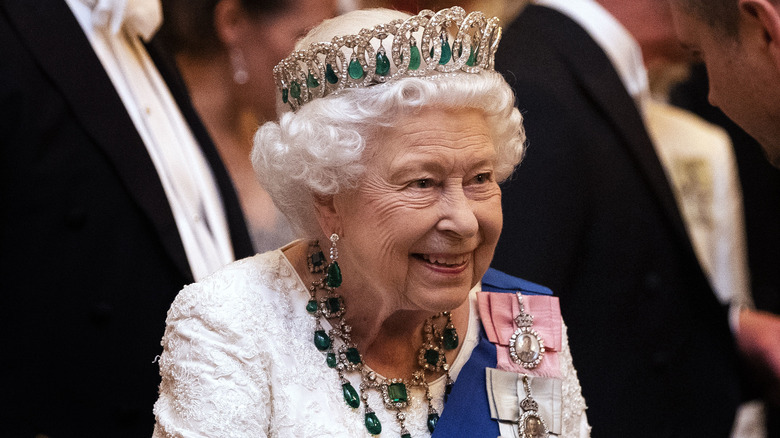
<point x="325" y="302"/>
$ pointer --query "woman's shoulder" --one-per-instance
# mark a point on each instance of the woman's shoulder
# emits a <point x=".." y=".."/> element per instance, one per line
<point x="246" y="288"/>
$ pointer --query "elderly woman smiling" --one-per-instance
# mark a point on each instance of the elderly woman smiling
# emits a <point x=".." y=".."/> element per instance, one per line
<point x="378" y="320"/>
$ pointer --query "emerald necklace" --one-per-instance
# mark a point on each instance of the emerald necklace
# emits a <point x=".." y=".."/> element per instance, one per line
<point x="325" y="302"/>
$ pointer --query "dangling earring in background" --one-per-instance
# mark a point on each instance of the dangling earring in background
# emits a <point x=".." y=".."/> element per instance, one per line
<point x="240" y="74"/>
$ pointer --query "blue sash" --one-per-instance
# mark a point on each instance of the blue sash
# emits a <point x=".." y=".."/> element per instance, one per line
<point x="467" y="411"/>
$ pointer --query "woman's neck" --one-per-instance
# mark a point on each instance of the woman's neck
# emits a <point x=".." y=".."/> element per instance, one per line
<point x="391" y="345"/>
<point x="228" y="119"/>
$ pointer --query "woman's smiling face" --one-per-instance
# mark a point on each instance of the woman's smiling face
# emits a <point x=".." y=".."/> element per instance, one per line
<point x="421" y="227"/>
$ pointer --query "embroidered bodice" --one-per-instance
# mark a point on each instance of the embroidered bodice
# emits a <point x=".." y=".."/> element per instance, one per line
<point x="239" y="361"/>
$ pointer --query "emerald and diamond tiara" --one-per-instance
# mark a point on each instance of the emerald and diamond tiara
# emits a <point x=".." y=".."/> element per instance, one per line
<point x="323" y="69"/>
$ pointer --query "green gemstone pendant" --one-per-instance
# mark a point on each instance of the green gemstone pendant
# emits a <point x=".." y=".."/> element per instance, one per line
<point x="353" y="356"/>
<point x="330" y="359"/>
<point x="295" y="90"/>
<point x="317" y="261"/>
<point x="396" y="392"/>
<point x="355" y="69"/>
<point x="372" y="424"/>
<point x="432" y="420"/>
<point x="334" y="275"/>
<point x="311" y="306"/>
<point x="284" y="95"/>
<point x="450" y="341"/>
<point x="311" y="81"/>
<point x="382" y="64"/>
<point x="330" y="75"/>
<point x="414" y="58"/>
<point x="431" y="357"/>
<point x="406" y="435"/>
<point x="333" y="304"/>
<point x="472" y="57"/>
<point x="321" y="340"/>
<point x="446" y="52"/>
<point x="351" y="396"/>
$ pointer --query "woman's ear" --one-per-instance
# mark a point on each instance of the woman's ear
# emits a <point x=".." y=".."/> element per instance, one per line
<point x="765" y="15"/>
<point x="327" y="215"/>
<point x="229" y="21"/>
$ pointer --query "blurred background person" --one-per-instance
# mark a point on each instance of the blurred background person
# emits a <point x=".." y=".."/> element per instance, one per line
<point x="707" y="171"/>
<point x="592" y="213"/>
<point x="226" y="51"/>
<point x="113" y="198"/>
<point x="760" y="183"/>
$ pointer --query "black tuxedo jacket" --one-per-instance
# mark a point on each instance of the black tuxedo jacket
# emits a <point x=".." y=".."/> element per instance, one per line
<point x="91" y="256"/>
<point x="590" y="214"/>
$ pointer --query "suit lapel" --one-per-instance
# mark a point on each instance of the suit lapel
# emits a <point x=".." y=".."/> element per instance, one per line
<point x="599" y="79"/>
<point x="62" y="50"/>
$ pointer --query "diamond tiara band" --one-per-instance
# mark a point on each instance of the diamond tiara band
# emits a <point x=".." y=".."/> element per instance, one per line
<point x="324" y="69"/>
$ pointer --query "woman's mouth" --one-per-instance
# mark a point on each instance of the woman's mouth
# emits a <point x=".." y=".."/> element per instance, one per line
<point x="444" y="260"/>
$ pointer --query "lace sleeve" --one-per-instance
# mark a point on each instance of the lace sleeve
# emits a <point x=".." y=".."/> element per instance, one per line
<point x="575" y="421"/>
<point x="214" y="374"/>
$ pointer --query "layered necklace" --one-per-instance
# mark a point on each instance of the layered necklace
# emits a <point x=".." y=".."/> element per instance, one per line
<point x="439" y="336"/>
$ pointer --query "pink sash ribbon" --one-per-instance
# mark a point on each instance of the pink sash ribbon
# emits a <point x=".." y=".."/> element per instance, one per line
<point x="497" y="312"/>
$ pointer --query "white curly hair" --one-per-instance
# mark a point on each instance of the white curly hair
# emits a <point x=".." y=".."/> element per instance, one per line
<point x="320" y="148"/>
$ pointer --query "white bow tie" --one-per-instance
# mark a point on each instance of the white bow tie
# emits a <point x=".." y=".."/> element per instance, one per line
<point x="140" y="17"/>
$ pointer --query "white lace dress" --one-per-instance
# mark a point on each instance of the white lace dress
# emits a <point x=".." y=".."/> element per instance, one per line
<point x="239" y="361"/>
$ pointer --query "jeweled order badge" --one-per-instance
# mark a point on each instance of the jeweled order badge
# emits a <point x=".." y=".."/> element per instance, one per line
<point x="526" y="346"/>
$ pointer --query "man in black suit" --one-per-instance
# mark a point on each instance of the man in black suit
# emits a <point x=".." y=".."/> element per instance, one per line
<point x="739" y="42"/>
<point x="91" y="253"/>
<point x="591" y="214"/>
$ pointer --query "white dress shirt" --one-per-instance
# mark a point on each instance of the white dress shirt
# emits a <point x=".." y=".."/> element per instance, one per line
<point x="114" y="29"/>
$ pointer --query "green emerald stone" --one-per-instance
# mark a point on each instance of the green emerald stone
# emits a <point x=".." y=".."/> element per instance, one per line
<point x="330" y="75"/>
<point x="295" y="90"/>
<point x="311" y="306"/>
<point x="406" y="435"/>
<point x="414" y="58"/>
<point x="396" y="392"/>
<point x="432" y="357"/>
<point x="450" y="341"/>
<point x="382" y="64"/>
<point x="350" y="395"/>
<point x="353" y="356"/>
<point x="355" y="69"/>
<point x="321" y="340"/>
<point x="372" y="424"/>
<point x="334" y="275"/>
<point x="432" y="420"/>
<point x="311" y="81"/>
<point x="333" y="304"/>
<point x="330" y="359"/>
<point x="284" y="95"/>
<point x="317" y="259"/>
<point x="446" y="52"/>
<point x="472" y="57"/>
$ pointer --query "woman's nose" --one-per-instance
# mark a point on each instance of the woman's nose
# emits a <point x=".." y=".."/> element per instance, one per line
<point x="457" y="214"/>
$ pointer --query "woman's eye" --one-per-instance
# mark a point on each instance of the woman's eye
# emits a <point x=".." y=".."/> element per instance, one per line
<point x="422" y="183"/>
<point x="483" y="178"/>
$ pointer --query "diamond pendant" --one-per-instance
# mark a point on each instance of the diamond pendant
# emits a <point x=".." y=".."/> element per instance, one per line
<point x="530" y="424"/>
<point x="526" y="346"/>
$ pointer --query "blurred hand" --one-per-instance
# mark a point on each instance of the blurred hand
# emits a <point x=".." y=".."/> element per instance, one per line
<point x="758" y="338"/>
